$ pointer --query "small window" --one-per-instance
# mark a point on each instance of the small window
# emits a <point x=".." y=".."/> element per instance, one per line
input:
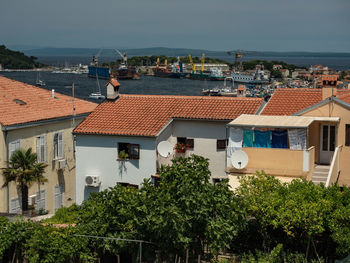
<point x="58" y="145"/>
<point x="41" y="149"/>
<point x="13" y="146"/>
<point x="132" y="151"/>
<point x="347" y="135"/>
<point x="220" y="144"/>
<point x="188" y="142"/>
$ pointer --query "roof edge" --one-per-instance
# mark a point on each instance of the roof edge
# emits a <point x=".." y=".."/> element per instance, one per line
<point x="321" y="103"/>
<point x="40" y="122"/>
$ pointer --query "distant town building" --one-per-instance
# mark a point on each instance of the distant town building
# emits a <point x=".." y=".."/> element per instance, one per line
<point x="285" y="73"/>
<point x="277" y="67"/>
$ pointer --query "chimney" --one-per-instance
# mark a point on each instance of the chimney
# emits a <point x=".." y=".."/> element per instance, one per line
<point x="53" y="93"/>
<point x="113" y="89"/>
<point x="328" y="92"/>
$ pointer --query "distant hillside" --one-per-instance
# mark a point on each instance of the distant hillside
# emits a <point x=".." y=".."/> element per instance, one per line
<point x="16" y="60"/>
<point x="157" y="51"/>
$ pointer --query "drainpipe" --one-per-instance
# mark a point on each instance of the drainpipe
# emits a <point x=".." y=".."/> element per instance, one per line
<point x="7" y="159"/>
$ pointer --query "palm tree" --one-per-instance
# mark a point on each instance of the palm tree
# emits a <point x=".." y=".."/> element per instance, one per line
<point x="24" y="169"/>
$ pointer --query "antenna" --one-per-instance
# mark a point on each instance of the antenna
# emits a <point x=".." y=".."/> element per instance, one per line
<point x="239" y="159"/>
<point x="165" y="149"/>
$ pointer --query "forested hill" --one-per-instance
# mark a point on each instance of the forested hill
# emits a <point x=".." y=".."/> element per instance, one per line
<point x="10" y="59"/>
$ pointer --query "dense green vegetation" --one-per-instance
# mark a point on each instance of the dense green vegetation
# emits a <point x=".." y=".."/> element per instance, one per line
<point x="268" y="64"/>
<point x="264" y="220"/>
<point x="17" y="60"/>
<point x="152" y="60"/>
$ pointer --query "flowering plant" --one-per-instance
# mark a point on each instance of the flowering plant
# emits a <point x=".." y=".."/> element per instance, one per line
<point x="180" y="147"/>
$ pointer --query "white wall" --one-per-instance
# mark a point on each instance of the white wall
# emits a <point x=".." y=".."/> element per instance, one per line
<point x="97" y="155"/>
<point x="205" y="134"/>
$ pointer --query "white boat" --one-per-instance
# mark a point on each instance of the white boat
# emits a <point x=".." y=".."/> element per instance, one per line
<point x="97" y="95"/>
<point x="39" y="82"/>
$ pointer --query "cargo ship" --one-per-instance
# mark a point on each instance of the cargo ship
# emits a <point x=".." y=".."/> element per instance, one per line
<point x="123" y="71"/>
<point x="95" y="70"/>
<point x="176" y="70"/>
<point x="215" y="74"/>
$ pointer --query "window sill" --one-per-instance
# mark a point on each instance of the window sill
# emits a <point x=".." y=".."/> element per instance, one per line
<point x="123" y="159"/>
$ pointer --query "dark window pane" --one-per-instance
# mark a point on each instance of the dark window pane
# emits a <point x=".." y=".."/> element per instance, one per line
<point x="220" y="144"/>
<point x="325" y="138"/>
<point x="190" y="143"/>
<point x="332" y="138"/>
<point x="347" y="135"/>
<point x="134" y="151"/>
<point x="181" y="140"/>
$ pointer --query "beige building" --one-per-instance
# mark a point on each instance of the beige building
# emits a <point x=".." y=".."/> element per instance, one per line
<point x="313" y="144"/>
<point x="43" y="120"/>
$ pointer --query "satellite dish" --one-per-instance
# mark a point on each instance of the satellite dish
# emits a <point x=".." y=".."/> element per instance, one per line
<point x="165" y="148"/>
<point x="239" y="159"/>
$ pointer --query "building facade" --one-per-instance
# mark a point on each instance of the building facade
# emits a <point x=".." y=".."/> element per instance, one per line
<point x="36" y="118"/>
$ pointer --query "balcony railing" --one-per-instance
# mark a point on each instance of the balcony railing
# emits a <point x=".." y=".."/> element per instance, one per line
<point x="334" y="169"/>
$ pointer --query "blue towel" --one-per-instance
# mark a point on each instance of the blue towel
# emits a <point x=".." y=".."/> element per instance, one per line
<point x="279" y="139"/>
<point x="248" y="138"/>
<point x="262" y="139"/>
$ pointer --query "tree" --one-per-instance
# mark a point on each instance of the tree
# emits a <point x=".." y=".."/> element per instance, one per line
<point x="24" y="169"/>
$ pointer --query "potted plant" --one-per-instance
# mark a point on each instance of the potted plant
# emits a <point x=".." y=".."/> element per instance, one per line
<point x="123" y="155"/>
<point x="180" y="147"/>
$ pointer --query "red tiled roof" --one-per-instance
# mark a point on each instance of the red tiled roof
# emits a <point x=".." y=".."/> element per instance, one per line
<point x="146" y="115"/>
<point x="341" y="92"/>
<point x="345" y="97"/>
<point x="287" y="101"/>
<point x="22" y="103"/>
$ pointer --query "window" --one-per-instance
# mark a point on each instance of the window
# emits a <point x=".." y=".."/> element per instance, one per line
<point x="347" y="134"/>
<point x="221" y="144"/>
<point x="13" y="146"/>
<point x="58" y="145"/>
<point x="132" y="150"/>
<point x="188" y="142"/>
<point x="41" y="148"/>
<point x="58" y="196"/>
<point x="40" y="200"/>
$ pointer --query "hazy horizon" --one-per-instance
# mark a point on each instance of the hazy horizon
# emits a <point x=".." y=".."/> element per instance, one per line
<point x="271" y="25"/>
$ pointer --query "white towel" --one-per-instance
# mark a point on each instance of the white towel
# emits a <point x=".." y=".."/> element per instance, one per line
<point x="297" y="139"/>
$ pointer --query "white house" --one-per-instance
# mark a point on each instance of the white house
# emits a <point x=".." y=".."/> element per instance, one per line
<point x="118" y="142"/>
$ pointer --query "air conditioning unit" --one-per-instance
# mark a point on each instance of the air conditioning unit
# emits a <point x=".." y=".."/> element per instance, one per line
<point x="32" y="200"/>
<point x="61" y="164"/>
<point x="92" y="180"/>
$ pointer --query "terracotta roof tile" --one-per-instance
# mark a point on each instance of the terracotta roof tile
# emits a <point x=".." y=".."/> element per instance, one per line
<point x="22" y="103"/>
<point x="146" y="115"/>
<point x="345" y="96"/>
<point x="287" y="101"/>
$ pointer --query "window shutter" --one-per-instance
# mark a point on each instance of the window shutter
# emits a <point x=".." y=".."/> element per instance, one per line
<point x="347" y="135"/>
<point x="55" y="145"/>
<point x="38" y="149"/>
<point x="43" y="148"/>
<point x="60" y="145"/>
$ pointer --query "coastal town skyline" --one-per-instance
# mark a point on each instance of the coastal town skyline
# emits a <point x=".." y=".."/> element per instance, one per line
<point x="318" y="26"/>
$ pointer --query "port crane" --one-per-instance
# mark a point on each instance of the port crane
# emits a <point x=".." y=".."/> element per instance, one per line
<point x="202" y="62"/>
<point x="238" y="53"/>
<point x="192" y="64"/>
<point x="123" y="56"/>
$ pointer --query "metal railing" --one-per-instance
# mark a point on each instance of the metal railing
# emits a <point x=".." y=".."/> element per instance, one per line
<point x="334" y="168"/>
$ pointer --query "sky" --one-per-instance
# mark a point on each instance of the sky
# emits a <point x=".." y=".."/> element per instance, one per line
<point x="262" y="25"/>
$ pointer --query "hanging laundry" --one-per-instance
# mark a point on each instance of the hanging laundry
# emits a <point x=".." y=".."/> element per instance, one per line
<point x="297" y="139"/>
<point x="262" y="139"/>
<point x="248" y="136"/>
<point x="279" y="139"/>
<point x="235" y="140"/>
